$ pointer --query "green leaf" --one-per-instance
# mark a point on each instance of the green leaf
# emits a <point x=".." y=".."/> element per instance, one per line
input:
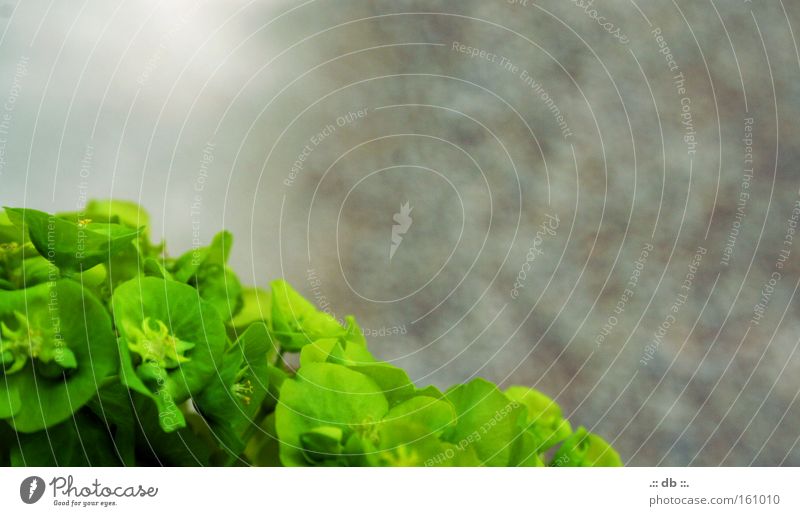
<point x="256" y="346"/>
<point x="354" y="335"/>
<point x="584" y="449"/>
<point x="321" y="444"/>
<point x="277" y="377"/>
<point x="72" y="246"/>
<point x="543" y="420"/>
<point x="525" y="451"/>
<point x="125" y="213"/>
<point x="118" y="211"/>
<point x="78" y="442"/>
<point x="487" y="421"/>
<point x="296" y="322"/>
<point x="233" y="398"/>
<point x="54" y="394"/>
<point x="94" y="277"/>
<point x="324" y="395"/>
<point x="410" y="446"/>
<point x="256" y="307"/>
<point x="154" y="267"/>
<point x="430" y="391"/>
<point x="265" y="449"/>
<point x="354" y="343"/>
<point x="170" y="416"/>
<point x="185" y="353"/>
<point x="37" y="270"/>
<point x="10" y="401"/>
<point x="11" y="231"/>
<point x="183" y="447"/>
<point x="409" y="436"/>
<point x="220" y="286"/>
<point x="322" y="350"/>
<point x="205" y="269"/>
<point x="190" y="263"/>
<point x="393" y="381"/>
<point x="432" y="414"/>
<point x="113" y="408"/>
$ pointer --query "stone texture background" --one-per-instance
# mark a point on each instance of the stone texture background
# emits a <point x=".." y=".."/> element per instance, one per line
<point x="188" y="104"/>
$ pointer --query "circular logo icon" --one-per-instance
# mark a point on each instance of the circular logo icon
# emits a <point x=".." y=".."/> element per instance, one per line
<point x="31" y="489"/>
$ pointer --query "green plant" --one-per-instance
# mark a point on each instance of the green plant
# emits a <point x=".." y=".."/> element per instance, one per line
<point x="112" y="353"/>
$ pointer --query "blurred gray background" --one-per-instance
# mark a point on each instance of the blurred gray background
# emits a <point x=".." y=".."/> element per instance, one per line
<point x="303" y="127"/>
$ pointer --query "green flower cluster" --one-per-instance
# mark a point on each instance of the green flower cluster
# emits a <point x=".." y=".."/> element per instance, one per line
<point x="113" y="353"/>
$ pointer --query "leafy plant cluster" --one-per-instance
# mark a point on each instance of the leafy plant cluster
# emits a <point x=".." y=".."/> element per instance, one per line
<point x="113" y="353"/>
